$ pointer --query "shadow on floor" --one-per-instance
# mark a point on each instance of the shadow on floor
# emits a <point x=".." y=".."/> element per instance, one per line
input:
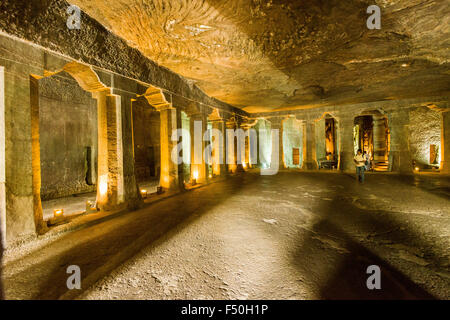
<point x="101" y="248"/>
<point x="345" y="277"/>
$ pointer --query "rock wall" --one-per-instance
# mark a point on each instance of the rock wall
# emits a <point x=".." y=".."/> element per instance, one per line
<point x="68" y="127"/>
<point x="425" y="130"/>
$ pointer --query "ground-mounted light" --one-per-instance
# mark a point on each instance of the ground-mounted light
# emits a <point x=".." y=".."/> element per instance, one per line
<point x="90" y="206"/>
<point x="143" y="193"/>
<point x="417" y="169"/>
<point x="58" y="213"/>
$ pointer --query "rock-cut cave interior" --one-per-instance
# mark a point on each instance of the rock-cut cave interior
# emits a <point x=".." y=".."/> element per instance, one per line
<point x="224" y="149"/>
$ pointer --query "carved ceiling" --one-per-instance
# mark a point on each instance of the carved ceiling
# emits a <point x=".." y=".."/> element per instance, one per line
<point x="276" y="55"/>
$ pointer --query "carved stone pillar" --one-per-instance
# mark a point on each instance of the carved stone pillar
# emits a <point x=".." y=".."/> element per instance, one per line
<point x="219" y="161"/>
<point x="110" y="187"/>
<point x="309" y="145"/>
<point x="346" y="148"/>
<point x="170" y="170"/>
<point x="198" y="126"/>
<point x="379" y="138"/>
<point x="445" y="142"/>
<point x="231" y="149"/>
<point x="277" y="124"/>
<point x="399" y="157"/>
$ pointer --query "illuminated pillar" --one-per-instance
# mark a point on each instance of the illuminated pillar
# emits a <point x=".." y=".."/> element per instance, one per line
<point x="219" y="161"/>
<point x="20" y="210"/>
<point x="110" y="187"/>
<point x="239" y="147"/>
<point x="277" y="124"/>
<point x="399" y="156"/>
<point x="170" y="170"/>
<point x="231" y="147"/>
<point x="346" y="148"/>
<point x="309" y="145"/>
<point x="198" y="126"/>
<point x="445" y="142"/>
<point x="379" y="138"/>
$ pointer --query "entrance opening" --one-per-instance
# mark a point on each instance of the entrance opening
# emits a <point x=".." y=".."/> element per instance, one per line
<point x="371" y="135"/>
<point x="326" y="146"/>
<point x="68" y="145"/>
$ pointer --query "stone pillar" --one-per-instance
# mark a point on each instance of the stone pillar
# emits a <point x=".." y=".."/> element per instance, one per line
<point x="399" y="157"/>
<point x="130" y="188"/>
<point x="199" y="167"/>
<point x="240" y="148"/>
<point x="231" y="149"/>
<point x="21" y="212"/>
<point x="379" y="138"/>
<point x="170" y="120"/>
<point x="309" y="145"/>
<point x="41" y="226"/>
<point x="110" y="187"/>
<point x="277" y="124"/>
<point x="445" y="142"/>
<point x="219" y="161"/>
<point x="346" y="147"/>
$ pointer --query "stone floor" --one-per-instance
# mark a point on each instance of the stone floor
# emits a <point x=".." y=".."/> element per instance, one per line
<point x="76" y="204"/>
<point x="289" y="236"/>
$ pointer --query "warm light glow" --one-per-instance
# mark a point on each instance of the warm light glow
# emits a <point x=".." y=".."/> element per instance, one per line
<point x="417" y="168"/>
<point x="103" y="185"/>
<point x="210" y="176"/>
<point x="195" y="175"/>
<point x="144" y="193"/>
<point x="58" y="212"/>
<point x="404" y="65"/>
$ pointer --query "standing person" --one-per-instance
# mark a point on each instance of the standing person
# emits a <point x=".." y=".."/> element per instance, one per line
<point x="360" y="163"/>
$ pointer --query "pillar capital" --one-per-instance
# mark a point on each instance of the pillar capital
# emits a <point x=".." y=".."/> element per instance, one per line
<point x="276" y="122"/>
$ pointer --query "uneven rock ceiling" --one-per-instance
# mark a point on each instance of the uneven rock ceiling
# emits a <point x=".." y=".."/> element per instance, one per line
<point x="267" y="55"/>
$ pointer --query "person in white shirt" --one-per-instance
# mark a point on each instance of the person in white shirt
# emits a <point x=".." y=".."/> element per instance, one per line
<point x="360" y="163"/>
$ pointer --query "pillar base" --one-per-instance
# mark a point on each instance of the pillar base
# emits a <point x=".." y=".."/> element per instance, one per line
<point x="401" y="162"/>
<point x="444" y="167"/>
<point x="311" y="165"/>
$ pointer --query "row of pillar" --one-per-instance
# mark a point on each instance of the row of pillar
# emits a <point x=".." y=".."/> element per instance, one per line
<point x="399" y="154"/>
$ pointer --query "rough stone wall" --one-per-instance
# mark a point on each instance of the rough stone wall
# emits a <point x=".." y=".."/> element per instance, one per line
<point x="292" y="138"/>
<point x="68" y="125"/>
<point x="425" y="130"/>
<point x="146" y="127"/>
